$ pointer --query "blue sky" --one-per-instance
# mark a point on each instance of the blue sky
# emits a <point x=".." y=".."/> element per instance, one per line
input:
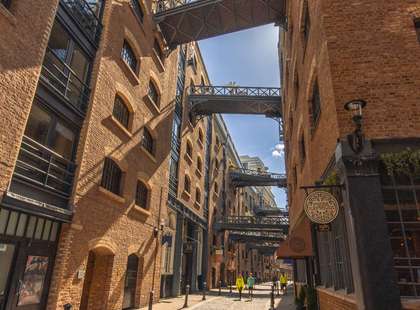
<point x="249" y="58"/>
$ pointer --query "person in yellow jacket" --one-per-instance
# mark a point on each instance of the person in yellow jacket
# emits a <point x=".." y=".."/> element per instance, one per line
<point x="240" y="284"/>
<point x="283" y="282"/>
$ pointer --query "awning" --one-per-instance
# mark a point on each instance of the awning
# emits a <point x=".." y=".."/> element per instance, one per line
<point x="299" y="242"/>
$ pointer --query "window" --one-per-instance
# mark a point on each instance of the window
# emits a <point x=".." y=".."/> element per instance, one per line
<point x="142" y="194"/>
<point x="417" y="26"/>
<point x="307" y="23"/>
<point x="216" y="164"/>
<point x="158" y="50"/>
<point x="296" y="89"/>
<point x="130" y="282"/>
<point x="315" y="104"/>
<point x="127" y="54"/>
<point x="187" y="184"/>
<point x="153" y="93"/>
<point x="189" y="149"/>
<point x="121" y="112"/>
<point x="200" y="136"/>
<point x="216" y="188"/>
<point x="49" y="130"/>
<point x="138" y="11"/>
<point x="147" y="141"/>
<point x="111" y="176"/>
<point x="302" y="149"/>
<point x="199" y="164"/>
<point x="6" y="3"/>
<point x="197" y="196"/>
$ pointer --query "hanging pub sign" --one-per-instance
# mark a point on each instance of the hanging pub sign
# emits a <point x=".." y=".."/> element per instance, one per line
<point x="323" y="227"/>
<point x="321" y="207"/>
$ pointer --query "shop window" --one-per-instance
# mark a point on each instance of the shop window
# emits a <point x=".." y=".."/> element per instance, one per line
<point x="138" y="11"/>
<point x="129" y="57"/>
<point x="121" y="112"/>
<point x="111" y="176"/>
<point x="153" y="93"/>
<point x="130" y="283"/>
<point x="142" y="195"/>
<point x="147" y="141"/>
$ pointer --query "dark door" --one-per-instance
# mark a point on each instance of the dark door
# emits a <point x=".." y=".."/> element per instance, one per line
<point x="29" y="279"/>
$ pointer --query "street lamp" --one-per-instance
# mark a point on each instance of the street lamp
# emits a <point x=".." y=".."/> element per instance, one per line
<point x="356" y="139"/>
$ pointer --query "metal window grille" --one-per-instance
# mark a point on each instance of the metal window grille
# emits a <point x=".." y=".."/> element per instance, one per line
<point x="153" y="93"/>
<point x="402" y="210"/>
<point x="333" y="256"/>
<point x="142" y="194"/>
<point x="121" y="112"/>
<point x="147" y="141"/>
<point x="111" y="176"/>
<point x="316" y="104"/>
<point x="127" y="54"/>
<point x="138" y="10"/>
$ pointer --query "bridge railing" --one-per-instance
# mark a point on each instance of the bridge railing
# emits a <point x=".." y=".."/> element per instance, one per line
<point x="259" y="173"/>
<point x="165" y="5"/>
<point x="235" y="91"/>
<point x="255" y="220"/>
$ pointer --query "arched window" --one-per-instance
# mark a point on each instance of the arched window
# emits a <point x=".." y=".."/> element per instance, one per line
<point x="153" y="93"/>
<point x="189" y="149"/>
<point x="121" y="112"/>
<point x="142" y="195"/>
<point x="199" y="164"/>
<point x="315" y="104"/>
<point x="147" y="141"/>
<point x="216" y="188"/>
<point x="200" y="136"/>
<point x="187" y="184"/>
<point x="129" y="57"/>
<point x="197" y="195"/>
<point x="216" y="164"/>
<point x="111" y="176"/>
<point x="158" y="50"/>
<point x="130" y="283"/>
<point x="138" y="9"/>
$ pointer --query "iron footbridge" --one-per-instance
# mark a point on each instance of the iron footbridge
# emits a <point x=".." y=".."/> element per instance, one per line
<point x="240" y="177"/>
<point x="256" y="236"/>
<point x="253" y="223"/>
<point x="184" y="21"/>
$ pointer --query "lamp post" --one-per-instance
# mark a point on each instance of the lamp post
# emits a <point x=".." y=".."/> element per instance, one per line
<point x="356" y="139"/>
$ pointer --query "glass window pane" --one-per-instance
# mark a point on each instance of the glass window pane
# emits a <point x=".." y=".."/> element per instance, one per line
<point x="21" y="226"/>
<point x="6" y="260"/>
<point x="63" y="140"/>
<point x="33" y="280"/>
<point x="79" y="64"/>
<point x="59" y="41"/>
<point x="39" y="227"/>
<point x="11" y="226"/>
<point x="31" y="227"/>
<point x="38" y="124"/>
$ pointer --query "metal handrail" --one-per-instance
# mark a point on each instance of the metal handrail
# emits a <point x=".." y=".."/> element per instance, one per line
<point x="87" y="19"/>
<point x="36" y="159"/>
<point x="165" y="5"/>
<point x="65" y="78"/>
<point x="255" y="220"/>
<point x="270" y="175"/>
<point x="235" y="91"/>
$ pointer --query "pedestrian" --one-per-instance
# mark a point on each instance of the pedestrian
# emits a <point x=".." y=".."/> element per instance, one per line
<point x="240" y="285"/>
<point x="283" y="283"/>
<point x="251" y="283"/>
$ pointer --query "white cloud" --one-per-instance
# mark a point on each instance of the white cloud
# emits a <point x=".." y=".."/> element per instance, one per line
<point x="278" y="150"/>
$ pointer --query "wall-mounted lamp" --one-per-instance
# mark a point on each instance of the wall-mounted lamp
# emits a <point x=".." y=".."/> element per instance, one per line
<point x="356" y="139"/>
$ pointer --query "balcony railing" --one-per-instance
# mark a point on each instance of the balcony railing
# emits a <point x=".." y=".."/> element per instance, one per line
<point x="39" y="165"/>
<point x="259" y="173"/>
<point x="235" y="91"/>
<point x="65" y="81"/>
<point x="87" y="19"/>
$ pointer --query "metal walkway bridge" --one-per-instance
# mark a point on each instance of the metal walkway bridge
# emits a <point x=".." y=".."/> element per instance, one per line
<point x="207" y="100"/>
<point x="256" y="236"/>
<point x="253" y="223"/>
<point x="270" y="212"/>
<point x="245" y="177"/>
<point x="183" y="21"/>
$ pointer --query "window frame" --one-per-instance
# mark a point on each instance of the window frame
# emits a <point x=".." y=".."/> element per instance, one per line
<point x="107" y="181"/>
<point x="138" y="10"/>
<point x="143" y="201"/>
<point x="315" y="104"/>
<point x="187" y="184"/>
<point x="124" y="120"/>
<point x="153" y="93"/>
<point x="147" y="141"/>
<point x="128" y="52"/>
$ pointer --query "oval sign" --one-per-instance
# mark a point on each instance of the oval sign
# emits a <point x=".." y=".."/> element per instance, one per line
<point x="321" y="207"/>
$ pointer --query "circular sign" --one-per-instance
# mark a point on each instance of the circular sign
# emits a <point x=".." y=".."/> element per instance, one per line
<point x="321" y="207"/>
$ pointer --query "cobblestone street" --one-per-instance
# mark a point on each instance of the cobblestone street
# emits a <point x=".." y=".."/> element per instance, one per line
<point x="230" y="301"/>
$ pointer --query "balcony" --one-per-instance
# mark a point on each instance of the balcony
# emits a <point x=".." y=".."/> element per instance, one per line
<point x="42" y="178"/>
<point x="65" y="82"/>
<point x="88" y="21"/>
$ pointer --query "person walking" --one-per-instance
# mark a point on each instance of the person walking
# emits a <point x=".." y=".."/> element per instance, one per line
<point x="251" y="283"/>
<point x="283" y="283"/>
<point x="240" y="285"/>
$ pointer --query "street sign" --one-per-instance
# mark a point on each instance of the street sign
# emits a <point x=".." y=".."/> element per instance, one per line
<point x="321" y="207"/>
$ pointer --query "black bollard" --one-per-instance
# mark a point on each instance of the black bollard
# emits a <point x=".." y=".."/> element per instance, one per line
<point x="204" y="290"/>
<point x="151" y="296"/>
<point x="67" y="307"/>
<point x="272" y="297"/>
<point x="187" y="291"/>
<point x="220" y="288"/>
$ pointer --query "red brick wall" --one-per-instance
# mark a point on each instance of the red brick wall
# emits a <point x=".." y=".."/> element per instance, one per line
<point x="334" y="301"/>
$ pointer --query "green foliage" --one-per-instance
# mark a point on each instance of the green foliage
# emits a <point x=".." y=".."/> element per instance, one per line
<point x="331" y="179"/>
<point x="405" y="162"/>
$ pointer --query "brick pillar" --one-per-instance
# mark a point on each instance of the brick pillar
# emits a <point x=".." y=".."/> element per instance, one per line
<point x="370" y="248"/>
<point x="176" y="281"/>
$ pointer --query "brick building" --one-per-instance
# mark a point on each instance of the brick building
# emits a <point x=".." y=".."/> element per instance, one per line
<point x="331" y="53"/>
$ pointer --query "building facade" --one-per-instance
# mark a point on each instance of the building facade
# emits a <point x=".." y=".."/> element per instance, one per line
<point x="332" y="53"/>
